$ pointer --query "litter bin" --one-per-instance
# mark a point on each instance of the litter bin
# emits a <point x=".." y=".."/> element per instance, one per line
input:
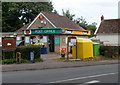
<point x="43" y="50"/>
<point x="32" y="56"/>
<point x="96" y="49"/>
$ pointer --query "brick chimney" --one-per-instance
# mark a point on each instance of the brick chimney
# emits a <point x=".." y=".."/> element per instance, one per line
<point x="102" y="18"/>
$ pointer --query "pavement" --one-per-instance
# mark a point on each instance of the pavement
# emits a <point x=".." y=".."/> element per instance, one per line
<point x="50" y="63"/>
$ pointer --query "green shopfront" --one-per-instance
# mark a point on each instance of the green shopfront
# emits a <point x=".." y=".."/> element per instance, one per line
<point x="45" y="37"/>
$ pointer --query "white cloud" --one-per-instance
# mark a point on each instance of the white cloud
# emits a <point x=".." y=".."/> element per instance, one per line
<point x="91" y="10"/>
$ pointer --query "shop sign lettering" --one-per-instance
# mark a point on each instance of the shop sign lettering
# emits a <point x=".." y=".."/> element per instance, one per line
<point x="46" y="31"/>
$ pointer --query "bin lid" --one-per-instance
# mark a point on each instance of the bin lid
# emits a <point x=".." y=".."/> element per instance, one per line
<point x="82" y="40"/>
<point x="95" y="43"/>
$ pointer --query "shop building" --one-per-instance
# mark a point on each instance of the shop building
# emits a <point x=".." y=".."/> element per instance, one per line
<point x="51" y="31"/>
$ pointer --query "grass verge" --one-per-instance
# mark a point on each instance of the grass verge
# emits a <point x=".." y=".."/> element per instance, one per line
<point x="95" y="58"/>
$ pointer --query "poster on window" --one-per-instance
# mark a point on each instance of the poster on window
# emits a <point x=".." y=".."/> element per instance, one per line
<point x="44" y="39"/>
<point x="18" y="38"/>
<point x="27" y="39"/>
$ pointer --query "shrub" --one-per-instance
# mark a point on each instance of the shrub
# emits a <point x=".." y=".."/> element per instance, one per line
<point x="8" y="55"/>
<point x="38" y="60"/>
<point x="9" y="61"/>
<point x="24" y="61"/>
<point x="110" y="51"/>
<point x="25" y="51"/>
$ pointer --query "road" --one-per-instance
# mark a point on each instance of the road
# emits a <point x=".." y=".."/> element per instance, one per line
<point x="78" y="75"/>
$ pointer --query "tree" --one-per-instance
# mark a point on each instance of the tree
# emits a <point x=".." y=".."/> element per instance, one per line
<point x="9" y="17"/>
<point x="15" y="15"/>
<point x="55" y="12"/>
<point x="92" y="27"/>
<point x="30" y="10"/>
<point x="81" y="22"/>
<point x="68" y="14"/>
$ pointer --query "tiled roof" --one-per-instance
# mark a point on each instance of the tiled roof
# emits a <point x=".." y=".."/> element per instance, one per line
<point x="58" y="21"/>
<point x="61" y="21"/>
<point x="109" y="26"/>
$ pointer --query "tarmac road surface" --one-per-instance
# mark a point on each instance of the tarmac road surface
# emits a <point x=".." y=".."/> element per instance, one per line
<point x="78" y="75"/>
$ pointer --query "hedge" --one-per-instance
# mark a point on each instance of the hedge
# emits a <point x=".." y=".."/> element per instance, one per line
<point x="8" y="61"/>
<point x="110" y="51"/>
<point x="25" y="51"/>
<point x="8" y="55"/>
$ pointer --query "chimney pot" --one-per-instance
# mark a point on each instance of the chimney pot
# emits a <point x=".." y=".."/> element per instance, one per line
<point x="102" y="18"/>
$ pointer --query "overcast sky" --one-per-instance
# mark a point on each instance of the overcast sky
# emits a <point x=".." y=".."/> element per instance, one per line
<point x="91" y="10"/>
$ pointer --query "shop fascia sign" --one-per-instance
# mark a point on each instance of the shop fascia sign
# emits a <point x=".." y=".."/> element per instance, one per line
<point x="68" y="31"/>
<point x="76" y="32"/>
<point x="42" y="31"/>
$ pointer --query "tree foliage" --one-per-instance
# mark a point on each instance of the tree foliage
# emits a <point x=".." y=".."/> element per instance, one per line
<point x="92" y="27"/>
<point x="68" y="14"/>
<point x="15" y="15"/>
<point x="55" y="12"/>
<point x="81" y="22"/>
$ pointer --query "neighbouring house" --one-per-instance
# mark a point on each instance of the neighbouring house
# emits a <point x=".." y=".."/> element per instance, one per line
<point x="108" y="31"/>
<point x="51" y="30"/>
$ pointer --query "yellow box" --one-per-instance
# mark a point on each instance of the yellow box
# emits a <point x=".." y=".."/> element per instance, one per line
<point x="84" y="49"/>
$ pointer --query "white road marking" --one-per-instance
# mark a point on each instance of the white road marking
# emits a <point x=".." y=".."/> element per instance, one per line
<point x="91" y="82"/>
<point x="84" y="77"/>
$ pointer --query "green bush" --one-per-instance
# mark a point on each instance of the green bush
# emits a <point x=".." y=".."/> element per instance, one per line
<point x="9" y="61"/>
<point x="110" y="51"/>
<point x="8" y="55"/>
<point x="25" y="51"/>
<point x="24" y="61"/>
<point x="38" y="60"/>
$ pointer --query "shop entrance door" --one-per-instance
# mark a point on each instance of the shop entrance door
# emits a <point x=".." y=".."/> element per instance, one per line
<point x="51" y="43"/>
